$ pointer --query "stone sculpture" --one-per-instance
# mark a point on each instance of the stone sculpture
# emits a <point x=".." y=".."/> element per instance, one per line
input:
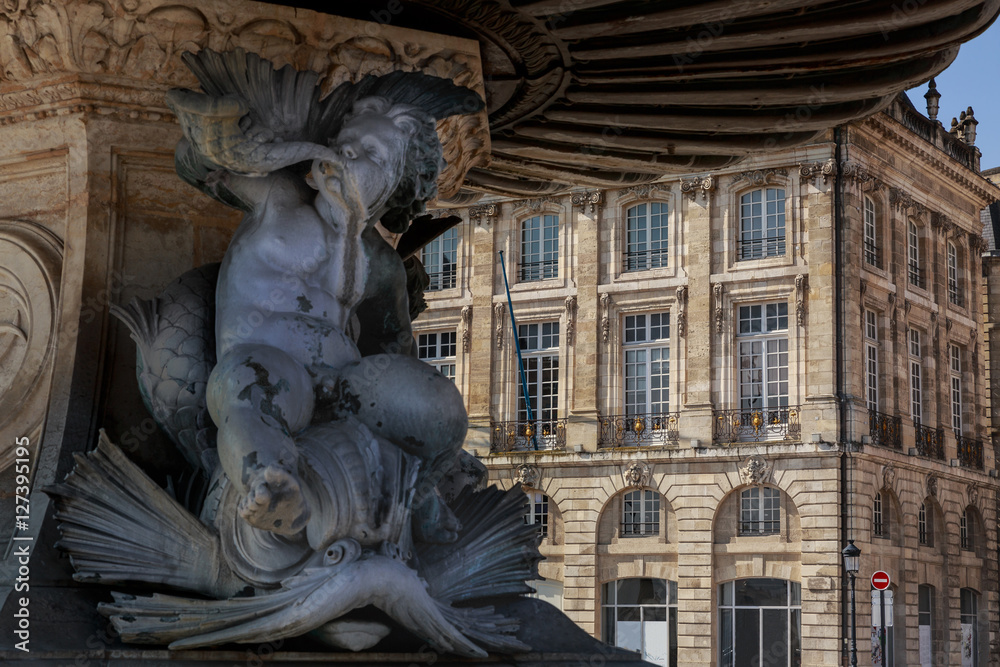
<point x="287" y="379"/>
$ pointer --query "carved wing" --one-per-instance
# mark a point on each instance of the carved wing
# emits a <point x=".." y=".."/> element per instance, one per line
<point x="254" y="119"/>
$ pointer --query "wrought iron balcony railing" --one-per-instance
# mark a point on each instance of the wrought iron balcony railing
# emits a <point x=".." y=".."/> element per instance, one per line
<point x="539" y="270"/>
<point x="884" y="430"/>
<point x="522" y="436"/>
<point x="930" y="441"/>
<point x="970" y="452"/>
<point x="642" y="260"/>
<point x="440" y="280"/>
<point x="639" y="529"/>
<point x="771" y="246"/>
<point x="639" y="430"/>
<point x="872" y="255"/>
<point x="757" y="424"/>
<point x="915" y="275"/>
<point x="955" y="295"/>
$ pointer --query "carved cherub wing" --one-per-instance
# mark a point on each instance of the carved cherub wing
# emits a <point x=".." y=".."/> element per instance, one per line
<point x="253" y="118"/>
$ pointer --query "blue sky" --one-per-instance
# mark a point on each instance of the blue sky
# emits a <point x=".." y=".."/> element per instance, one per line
<point x="972" y="81"/>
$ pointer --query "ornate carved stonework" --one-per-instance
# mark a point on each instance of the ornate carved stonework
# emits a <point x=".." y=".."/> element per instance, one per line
<point x="588" y="201"/>
<point x="606" y="317"/>
<point x="754" y="471"/>
<point x="533" y="205"/>
<point x="570" y="318"/>
<point x="825" y="170"/>
<point x="902" y="201"/>
<point x="57" y="54"/>
<point x="527" y="475"/>
<point x="645" y="191"/>
<point x="719" y="310"/>
<point x="932" y="486"/>
<point x="29" y="320"/>
<point x="973" y="494"/>
<point x="760" y="176"/>
<point x="466" y="328"/>
<point x="682" y="298"/>
<point x="703" y="184"/>
<point x="499" y="311"/>
<point x="637" y="474"/>
<point x="888" y="476"/>
<point x="485" y="214"/>
<point x="801" y="287"/>
<point x="861" y="174"/>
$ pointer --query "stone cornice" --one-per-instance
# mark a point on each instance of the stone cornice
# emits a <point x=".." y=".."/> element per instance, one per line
<point x="891" y="130"/>
<point x="118" y="57"/>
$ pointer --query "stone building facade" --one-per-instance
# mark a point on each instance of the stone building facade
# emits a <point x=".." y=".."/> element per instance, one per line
<point x="733" y="374"/>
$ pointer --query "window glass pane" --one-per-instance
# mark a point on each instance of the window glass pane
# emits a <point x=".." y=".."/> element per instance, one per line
<point x="774" y="640"/>
<point x="747" y="639"/>
<point x="761" y="592"/>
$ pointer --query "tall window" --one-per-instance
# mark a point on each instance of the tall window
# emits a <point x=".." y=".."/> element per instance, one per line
<point x="438" y="350"/>
<point x="440" y="260"/>
<point x="871" y="359"/>
<point x="540" y="351"/>
<point x="880" y="519"/>
<point x="540" y="247"/>
<point x="925" y="610"/>
<point x="536" y="513"/>
<point x="647" y="364"/>
<point x="954" y="273"/>
<point x="763" y="356"/>
<point x="967" y="530"/>
<point x="762" y="224"/>
<point x="916" y="378"/>
<point x="872" y="251"/>
<point x="925" y="525"/>
<point x="646" y="241"/>
<point x="760" y="511"/>
<point x="969" y="620"/>
<point x="913" y="256"/>
<point x="641" y="615"/>
<point x="956" y="388"/>
<point x="759" y="623"/>
<point x="641" y="513"/>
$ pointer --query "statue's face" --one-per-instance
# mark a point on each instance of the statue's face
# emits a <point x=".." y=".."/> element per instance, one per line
<point x="371" y="148"/>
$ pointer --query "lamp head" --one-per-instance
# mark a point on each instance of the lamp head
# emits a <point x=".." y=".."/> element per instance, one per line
<point x="852" y="557"/>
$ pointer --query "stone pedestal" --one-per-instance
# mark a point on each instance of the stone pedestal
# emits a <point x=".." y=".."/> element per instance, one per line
<point x="94" y="214"/>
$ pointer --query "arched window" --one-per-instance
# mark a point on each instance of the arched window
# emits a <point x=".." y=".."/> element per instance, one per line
<point x="760" y="511"/>
<point x="873" y="253"/>
<point x="762" y="224"/>
<point x="540" y="248"/>
<point x="646" y="240"/>
<point x="536" y="513"/>
<point x="640" y="513"/>
<point x="955" y="287"/>
<point x="641" y="615"/>
<point x="925" y="525"/>
<point x="880" y="516"/>
<point x="914" y="269"/>
<point x="759" y="623"/>
<point x="440" y="260"/>
<point x="969" y="608"/>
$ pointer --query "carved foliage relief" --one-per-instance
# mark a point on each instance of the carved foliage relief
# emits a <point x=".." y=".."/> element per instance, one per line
<point x="142" y="41"/>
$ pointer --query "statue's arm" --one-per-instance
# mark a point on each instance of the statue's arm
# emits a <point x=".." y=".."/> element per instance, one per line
<point x="242" y="192"/>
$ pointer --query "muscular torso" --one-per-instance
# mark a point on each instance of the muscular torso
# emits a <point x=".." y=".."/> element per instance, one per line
<point x="290" y="279"/>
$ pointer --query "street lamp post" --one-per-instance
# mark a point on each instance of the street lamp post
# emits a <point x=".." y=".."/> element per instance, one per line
<point x="852" y="558"/>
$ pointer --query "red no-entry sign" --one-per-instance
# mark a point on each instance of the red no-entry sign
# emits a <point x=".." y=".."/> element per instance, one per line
<point x="880" y="580"/>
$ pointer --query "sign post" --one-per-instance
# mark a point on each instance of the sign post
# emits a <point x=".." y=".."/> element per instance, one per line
<point x="880" y="582"/>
